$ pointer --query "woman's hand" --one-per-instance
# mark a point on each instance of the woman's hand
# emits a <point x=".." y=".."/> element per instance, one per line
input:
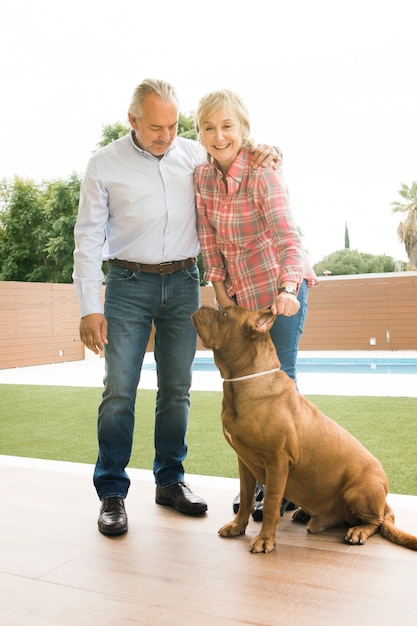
<point x="222" y="298"/>
<point x="226" y="302"/>
<point x="285" y="304"/>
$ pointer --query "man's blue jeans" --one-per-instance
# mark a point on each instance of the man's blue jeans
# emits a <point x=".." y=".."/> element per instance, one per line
<point x="286" y="334"/>
<point x="133" y="301"/>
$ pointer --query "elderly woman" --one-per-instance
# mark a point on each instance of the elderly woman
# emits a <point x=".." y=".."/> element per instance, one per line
<point x="251" y="247"/>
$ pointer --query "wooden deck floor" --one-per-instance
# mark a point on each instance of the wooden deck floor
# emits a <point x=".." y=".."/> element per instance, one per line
<point x="56" y="569"/>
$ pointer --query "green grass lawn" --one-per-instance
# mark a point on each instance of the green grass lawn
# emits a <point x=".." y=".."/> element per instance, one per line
<point x="59" y="423"/>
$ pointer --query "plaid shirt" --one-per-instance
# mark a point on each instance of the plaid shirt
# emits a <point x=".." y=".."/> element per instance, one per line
<point x="247" y="232"/>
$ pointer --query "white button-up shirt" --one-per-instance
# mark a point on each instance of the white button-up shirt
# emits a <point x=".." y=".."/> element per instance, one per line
<point x="134" y="207"/>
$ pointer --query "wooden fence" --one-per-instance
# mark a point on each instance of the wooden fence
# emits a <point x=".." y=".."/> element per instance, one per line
<point x="39" y="322"/>
<point x="364" y="312"/>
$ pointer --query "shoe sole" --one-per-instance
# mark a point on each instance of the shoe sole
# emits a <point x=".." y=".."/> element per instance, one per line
<point x="113" y="533"/>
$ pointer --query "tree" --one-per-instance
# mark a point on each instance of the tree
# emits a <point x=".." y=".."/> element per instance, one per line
<point x="407" y="230"/>
<point x="36" y="229"/>
<point x="23" y="230"/>
<point x="347" y="242"/>
<point x="186" y="126"/>
<point x="111" y="132"/>
<point x="346" y="261"/>
<point x="61" y="200"/>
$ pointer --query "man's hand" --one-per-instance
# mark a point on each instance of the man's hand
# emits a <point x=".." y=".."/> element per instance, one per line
<point x="93" y="332"/>
<point x="264" y="155"/>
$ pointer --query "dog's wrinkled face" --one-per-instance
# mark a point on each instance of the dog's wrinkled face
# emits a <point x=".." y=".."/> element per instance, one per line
<point x="230" y="325"/>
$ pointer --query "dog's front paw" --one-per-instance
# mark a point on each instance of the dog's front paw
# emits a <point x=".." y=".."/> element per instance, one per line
<point x="262" y="543"/>
<point x="232" y="529"/>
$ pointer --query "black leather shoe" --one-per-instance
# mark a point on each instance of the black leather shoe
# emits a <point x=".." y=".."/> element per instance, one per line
<point x="180" y="496"/>
<point x="287" y="506"/>
<point x="236" y="503"/>
<point x="258" y="512"/>
<point x="112" y="519"/>
<point x="259" y="495"/>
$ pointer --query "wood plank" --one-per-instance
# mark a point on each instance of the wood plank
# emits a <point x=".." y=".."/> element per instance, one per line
<point x="171" y="569"/>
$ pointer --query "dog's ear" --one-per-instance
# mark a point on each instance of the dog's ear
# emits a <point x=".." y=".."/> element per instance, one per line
<point x="261" y="321"/>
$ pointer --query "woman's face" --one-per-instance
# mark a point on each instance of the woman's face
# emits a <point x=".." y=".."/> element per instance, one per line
<point x="222" y="136"/>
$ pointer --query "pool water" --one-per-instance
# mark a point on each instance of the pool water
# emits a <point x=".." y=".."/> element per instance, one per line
<point x="329" y="365"/>
<point x="357" y="366"/>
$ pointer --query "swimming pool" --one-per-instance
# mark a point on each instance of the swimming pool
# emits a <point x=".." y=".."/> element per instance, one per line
<point x="329" y="365"/>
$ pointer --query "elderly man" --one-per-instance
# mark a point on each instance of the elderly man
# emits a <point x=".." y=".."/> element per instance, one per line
<point x="137" y="212"/>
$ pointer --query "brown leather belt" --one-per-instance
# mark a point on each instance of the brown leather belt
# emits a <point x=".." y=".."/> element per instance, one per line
<point x="162" y="268"/>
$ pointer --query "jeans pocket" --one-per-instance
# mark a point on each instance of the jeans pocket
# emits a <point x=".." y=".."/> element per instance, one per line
<point x="119" y="273"/>
<point x="193" y="273"/>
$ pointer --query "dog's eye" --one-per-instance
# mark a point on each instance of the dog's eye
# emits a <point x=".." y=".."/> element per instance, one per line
<point x="224" y="313"/>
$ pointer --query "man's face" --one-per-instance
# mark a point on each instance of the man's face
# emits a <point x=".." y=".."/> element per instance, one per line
<point x="156" y="128"/>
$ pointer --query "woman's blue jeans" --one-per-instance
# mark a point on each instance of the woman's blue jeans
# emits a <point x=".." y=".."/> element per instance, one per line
<point x="133" y="301"/>
<point x="286" y="334"/>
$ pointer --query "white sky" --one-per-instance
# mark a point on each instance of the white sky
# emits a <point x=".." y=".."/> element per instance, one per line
<point x="333" y="83"/>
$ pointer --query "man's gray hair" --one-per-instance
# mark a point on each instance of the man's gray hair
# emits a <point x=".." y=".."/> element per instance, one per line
<point x="151" y="86"/>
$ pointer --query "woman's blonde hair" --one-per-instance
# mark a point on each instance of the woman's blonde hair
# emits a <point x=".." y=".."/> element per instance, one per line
<point x="223" y="98"/>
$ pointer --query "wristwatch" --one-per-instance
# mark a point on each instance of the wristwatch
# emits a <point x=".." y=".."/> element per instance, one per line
<point x="290" y="290"/>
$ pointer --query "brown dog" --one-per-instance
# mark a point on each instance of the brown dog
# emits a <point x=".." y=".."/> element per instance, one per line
<point x="286" y="443"/>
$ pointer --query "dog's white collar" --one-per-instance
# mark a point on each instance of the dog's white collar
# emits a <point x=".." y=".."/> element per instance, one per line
<point x="233" y="380"/>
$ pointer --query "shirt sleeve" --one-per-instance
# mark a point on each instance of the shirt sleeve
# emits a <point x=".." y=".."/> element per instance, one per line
<point x="273" y="200"/>
<point x="89" y="235"/>
<point x="214" y="269"/>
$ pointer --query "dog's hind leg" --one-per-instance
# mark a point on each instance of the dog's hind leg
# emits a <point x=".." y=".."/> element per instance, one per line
<point x="368" y="506"/>
<point x="359" y="534"/>
<point x="301" y="516"/>
<point x="327" y="519"/>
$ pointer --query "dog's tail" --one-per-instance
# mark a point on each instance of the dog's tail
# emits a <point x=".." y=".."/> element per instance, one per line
<point x="394" y="534"/>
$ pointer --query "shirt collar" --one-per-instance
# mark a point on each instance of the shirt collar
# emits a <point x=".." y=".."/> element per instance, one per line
<point x="238" y="167"/>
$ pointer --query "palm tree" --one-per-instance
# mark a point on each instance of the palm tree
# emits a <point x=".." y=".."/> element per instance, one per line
<point x="407" y="230"/>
